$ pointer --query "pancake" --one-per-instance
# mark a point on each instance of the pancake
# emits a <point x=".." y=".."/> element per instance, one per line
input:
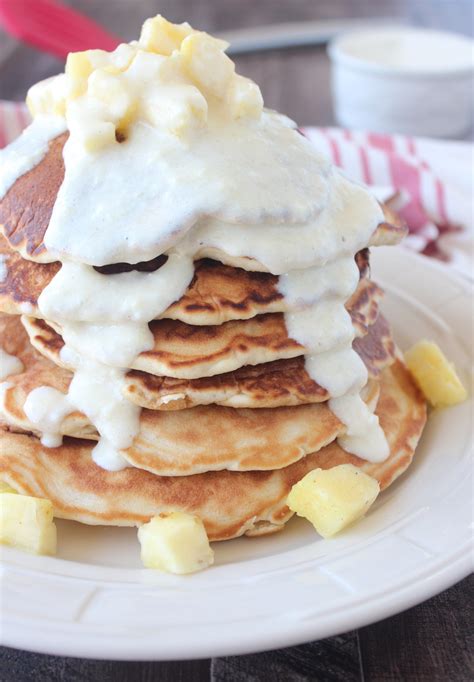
<point x="377" y="348"/>
<point x="184" y="442"/>
<point x="38" y="371"/>
<point x="280" y="383"/>
<point x="272" y="384"/>
<point x="218" y="293"/>
<point x="25" y="212"/>
<point x="185" y="351"/>
<point x="229" y="503"/>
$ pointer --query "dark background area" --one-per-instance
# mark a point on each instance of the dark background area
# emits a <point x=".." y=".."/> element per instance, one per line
<point x="432" y="642"/>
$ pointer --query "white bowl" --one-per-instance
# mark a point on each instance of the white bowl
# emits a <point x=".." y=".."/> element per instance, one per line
<point x="404" y="80"/>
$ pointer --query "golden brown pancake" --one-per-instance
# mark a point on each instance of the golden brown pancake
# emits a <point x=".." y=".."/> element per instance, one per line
<point x="218" y="293"/>
<point x="229" y="503"/>
<point x="377" y="348"/>
<point x="184" y="442"/>
<point x="191" y="352"/>
<point x="38" y="371"/>
<point x="272" y="384"/>
<point x="280" y="383"/>
<point x="26" y="210"/>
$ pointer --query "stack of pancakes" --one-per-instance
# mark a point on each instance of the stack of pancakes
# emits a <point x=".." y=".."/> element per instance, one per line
<point x="230" y="418"/>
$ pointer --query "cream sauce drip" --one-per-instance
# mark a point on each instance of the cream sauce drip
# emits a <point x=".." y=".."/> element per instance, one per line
<point x="325" y="329"/>
<point x="46" y="408"/>
<point x="9" y="364"/>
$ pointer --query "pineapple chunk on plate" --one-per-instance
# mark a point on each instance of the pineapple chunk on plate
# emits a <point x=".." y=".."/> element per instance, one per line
<point x="434" y="374"/>
<point x="27" y="523"/>
<point x="333" y="498"/>
<point x="175" y="543"/>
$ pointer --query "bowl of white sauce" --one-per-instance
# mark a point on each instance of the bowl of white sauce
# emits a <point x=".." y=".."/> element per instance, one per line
<point x="404" y="80"/>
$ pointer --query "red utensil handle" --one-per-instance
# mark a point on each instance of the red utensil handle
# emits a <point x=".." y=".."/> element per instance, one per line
<point x="53" y="27"/>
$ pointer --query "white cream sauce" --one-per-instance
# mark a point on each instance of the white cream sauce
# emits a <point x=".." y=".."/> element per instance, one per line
<point x="28" y="149"/>
<point x="9" y="364"/>
<point x="104" y="215"/>
<point x="325" y="329"/>
<point x="128" y="297"/>
<point x="46" y="408"/>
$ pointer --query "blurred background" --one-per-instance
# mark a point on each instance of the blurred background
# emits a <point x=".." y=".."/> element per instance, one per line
<point x="294" y="80"/>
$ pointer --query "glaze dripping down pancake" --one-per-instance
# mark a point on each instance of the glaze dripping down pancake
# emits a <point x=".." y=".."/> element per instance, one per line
<point x="218" y="293"/>
<point x="184" y="442"/>
<point x="190" y="352"/>
<point x="272" y="384"/>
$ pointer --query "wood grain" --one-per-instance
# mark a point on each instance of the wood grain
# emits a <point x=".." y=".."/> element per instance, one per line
<point x="430" y="643"/>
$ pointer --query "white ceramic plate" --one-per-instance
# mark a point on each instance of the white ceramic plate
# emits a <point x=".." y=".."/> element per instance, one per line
<point x="94" y="600"/>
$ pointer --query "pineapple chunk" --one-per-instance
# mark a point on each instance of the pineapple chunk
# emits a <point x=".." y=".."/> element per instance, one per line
<point x="27" y="523"/>
<point x="161" y="36"/>
<point x="179" y="108"/>
<point x="111" y="90"/>
<point x="78" y="65"/>
<point x="245" y="98"/>
<point x="78" y="69"/>
<point x="175" y="543"/>
<point x="122" y="56"/>
<point x="207" y="64"/>
<point x="5" y="488"/>
<point x="434" y="374"/>
<point x="48" y="96"/>
<point x="333" y="498"/>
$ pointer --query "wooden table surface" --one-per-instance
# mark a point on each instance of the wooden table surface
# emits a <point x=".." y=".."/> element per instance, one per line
<point x="429" y="643"/>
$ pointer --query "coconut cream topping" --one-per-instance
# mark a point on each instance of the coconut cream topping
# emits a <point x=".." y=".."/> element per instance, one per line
<point x="171" y="152"/>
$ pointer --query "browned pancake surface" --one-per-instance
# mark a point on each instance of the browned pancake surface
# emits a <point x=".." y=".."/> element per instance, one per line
<point x="218" y="293"/>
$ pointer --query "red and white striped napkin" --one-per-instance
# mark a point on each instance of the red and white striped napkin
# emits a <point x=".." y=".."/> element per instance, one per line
<point x="432" y="181"/>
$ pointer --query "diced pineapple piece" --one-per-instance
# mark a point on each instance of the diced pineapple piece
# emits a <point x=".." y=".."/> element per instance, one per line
<point x="47" y="97"/>
<point x="111" y="89"/>
<point x="78" y="69"/>
<point x="145" y="68"/>
<point x="161" y="36"/>
<point x="245" y="98"/>
<point x="27" y="523"/>
<point x="5" y="488"/>
<point x="79" y="65"/>
<point x="178" y="108"/>
<point x="123" y="56"/>
<point x="434" y="374"/>
<point x="207" y="64"/>
<point x="175" y="543"/>
<point x="333" y="498"/>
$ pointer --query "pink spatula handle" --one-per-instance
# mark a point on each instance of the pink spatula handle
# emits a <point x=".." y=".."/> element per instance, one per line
<point x="53" y="27"/>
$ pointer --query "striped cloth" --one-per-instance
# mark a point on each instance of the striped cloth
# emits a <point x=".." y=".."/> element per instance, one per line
<point x="430" y="183"/>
